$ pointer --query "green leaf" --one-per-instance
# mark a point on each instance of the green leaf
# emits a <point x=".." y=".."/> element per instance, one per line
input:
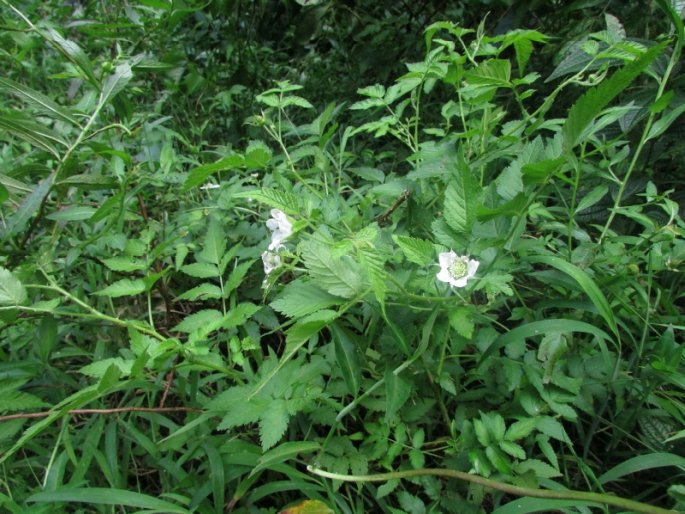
<point x="34" y="133"/>
<point x="528" y="505"/>
<point x="103" y="496"/>
<point x="74" y="53"/>
<point x="12" y="291"/>
<point x="236" y="277"/>
<point x="124" y="264"/>
<point x="520" y="429"/>
<point x="460" y="199"/>
<point x="29" y="206"/>
<point x="538" y="328"/>
<point x="642" y="463"/>
<point x="239" y="314"/>
<point x="72" y="213"/>
<point x="347" y="357"/>
<point x="663" y="123"/>
<point x="590" y="288"/>
<point x="512" y="449"/>
<point x="397" y="392"/>
<point x="301" y="298"/>
<point x="199" y="175"/>
<point x="373" y="262"/>
<point x="257" y="155"/>
<point x="198" y="320"/>
<point x="552" y="428"/>
<point x="98" y="369"/>
<point x="123" y="287"/>
<point x="115" y="83"/>
<point x="38" y="100"/>
<point x="418" y="251"/>
<point x="201" y="270"/>
<point x="591" y="104"/>
<point x="284" y="452"/>
<point x="273" y="423"/>
<point x="204" y="291"/>
<point x="215" y="243"/>
<point x="340" y="276"/>
<point x="286" y="202"/>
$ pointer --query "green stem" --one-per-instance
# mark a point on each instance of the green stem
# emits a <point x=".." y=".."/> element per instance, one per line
<point x="606" y="499"/>
<point x="675" y="56"/>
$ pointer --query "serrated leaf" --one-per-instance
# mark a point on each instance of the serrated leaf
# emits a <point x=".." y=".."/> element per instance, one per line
<point x="512" y="449"/>
<point x="552" y="428"/>
<point x="201" y="270"/>
<point x="239" y="314"/>
<point x="14" y="400"/>
<point x="520" y="429"/>
<point x="204" y="291"/>
<point x="273" y="423"/>
<point x="199" y="320"/>
<point x="214" y="243"/>
<point x="236" y="276"/>
<point x="461" y="320"/>
<point x="436" y="159"/>
<point x="287" y="202"/>
<point x="510" y="181"/>
<point x="418" y="251"/>
<point x="374" y="91"/>
<point x="540" y="468"/>
<point x="340" y="276"/>
<point x="12" y="291"/>
<point x="124" y="264"/>
<point x="373" y="262"/>
<point x="123" y="287"/>
<point x="589" y="106"/>
<point x="98" y="369"/>
<point x="298" y="101"/>
<point x="301" y="298"/>
<point x="460" y="199"/>
<point x="257" y="155"/>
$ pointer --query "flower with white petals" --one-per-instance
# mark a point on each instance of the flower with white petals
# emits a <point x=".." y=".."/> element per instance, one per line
<point x="280" y="228"/>
<point x="271" y="261"/>
<point x="455" y="269"/>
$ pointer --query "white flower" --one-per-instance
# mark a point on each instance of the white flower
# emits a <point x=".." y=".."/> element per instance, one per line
<point x="210" y="186"/>
<point x="271" y="261"/>
<point x="455" y="269"/>
<point x="280" y="228"/>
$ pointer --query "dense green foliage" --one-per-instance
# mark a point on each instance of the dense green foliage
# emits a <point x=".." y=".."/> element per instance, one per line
<point x="231" y="241"/>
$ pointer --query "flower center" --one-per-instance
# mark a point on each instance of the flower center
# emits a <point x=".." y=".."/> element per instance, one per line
<point x="459" y="268"/>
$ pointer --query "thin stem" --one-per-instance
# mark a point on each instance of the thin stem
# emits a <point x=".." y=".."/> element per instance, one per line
<point x="675" y="56"/>
<point x="117" y="410"/>
<point x="606" y="499"/>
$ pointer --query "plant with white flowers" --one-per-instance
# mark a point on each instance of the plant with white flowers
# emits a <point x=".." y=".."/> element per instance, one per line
<point x="455" y="269"/>
<point x="281" y="229"/>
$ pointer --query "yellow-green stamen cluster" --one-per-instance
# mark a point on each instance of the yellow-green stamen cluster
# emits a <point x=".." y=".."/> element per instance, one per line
<point x="459" y="268"/>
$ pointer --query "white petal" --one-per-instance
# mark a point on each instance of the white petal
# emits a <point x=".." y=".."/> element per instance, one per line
<point x="446" y="258"/>
<point x="472" y="268"/>
<point x="444" y="276"/>
<point x="460" y="282"/>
